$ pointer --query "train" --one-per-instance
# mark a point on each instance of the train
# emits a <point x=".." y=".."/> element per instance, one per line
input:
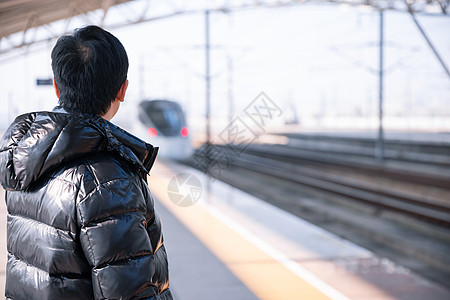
<point x="162" y="123"/>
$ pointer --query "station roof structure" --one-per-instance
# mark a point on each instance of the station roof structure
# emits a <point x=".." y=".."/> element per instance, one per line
<point x="21" y="15"/>
<point x="27" y="22"/>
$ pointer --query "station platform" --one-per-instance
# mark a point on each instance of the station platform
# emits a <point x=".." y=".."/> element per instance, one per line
<point x="223" y="243"/>
<point x="271" y="253"/>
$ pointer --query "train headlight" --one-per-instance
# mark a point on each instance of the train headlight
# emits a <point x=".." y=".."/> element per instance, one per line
<point x="152" y="131"/>
<point x="184" y="132"/>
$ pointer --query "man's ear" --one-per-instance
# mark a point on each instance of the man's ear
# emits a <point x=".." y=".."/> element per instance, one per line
<point x="123" y="89"/>
<point x="56" y="88"/>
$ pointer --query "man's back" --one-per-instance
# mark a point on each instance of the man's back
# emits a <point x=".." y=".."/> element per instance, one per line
<point x="81" y="221"/>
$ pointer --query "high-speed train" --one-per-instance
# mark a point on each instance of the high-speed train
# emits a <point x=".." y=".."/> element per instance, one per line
<point x="162" y="123"/>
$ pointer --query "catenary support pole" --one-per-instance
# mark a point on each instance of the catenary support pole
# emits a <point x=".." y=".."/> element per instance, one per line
<point x="207" y="79"/>
<point x="208" y="95"/>
<point x="230" y="89"/>
<point x="430" y="44"/>
<point x="379" y="152"/>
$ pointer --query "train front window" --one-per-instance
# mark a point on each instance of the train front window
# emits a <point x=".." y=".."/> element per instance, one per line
<point x="166" y="116"/>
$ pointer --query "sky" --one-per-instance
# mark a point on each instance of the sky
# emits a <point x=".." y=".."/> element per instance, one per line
<point x="319" y="62"/>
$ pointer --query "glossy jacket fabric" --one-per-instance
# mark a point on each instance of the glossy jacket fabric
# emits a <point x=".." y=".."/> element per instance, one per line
<point x="81" y="222"/>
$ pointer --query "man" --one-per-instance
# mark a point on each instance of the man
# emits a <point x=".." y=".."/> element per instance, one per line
<point x="81" y="219"/>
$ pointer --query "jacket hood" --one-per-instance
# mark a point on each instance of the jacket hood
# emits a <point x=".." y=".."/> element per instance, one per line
<point x="38" y="142"/>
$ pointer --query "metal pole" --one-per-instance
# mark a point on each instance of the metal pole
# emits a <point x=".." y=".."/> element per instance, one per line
<point x="379" y="153"/>
<point x="207" y="79"/>
<point x="230" y="90"/>
<point x="441" y="61"/>
<point x="208" y="100"/>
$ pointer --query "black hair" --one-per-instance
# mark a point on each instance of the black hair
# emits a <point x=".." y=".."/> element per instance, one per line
<point x="89" y="67"/>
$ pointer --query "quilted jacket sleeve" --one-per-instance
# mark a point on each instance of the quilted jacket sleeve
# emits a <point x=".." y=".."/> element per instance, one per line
<point x="115" y="240"/>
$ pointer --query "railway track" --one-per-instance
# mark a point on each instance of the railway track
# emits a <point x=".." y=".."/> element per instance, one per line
<point x="430" y="153"/>
<point x="420" y="174"/>
<point x="397" y="217"/>
<point x="285" y="165"/>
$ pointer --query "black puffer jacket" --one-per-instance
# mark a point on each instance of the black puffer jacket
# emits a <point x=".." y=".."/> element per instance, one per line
<point x="81" y="219"/>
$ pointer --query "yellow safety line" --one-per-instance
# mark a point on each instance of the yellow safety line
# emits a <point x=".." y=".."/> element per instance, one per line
<point x="267" y="278"/>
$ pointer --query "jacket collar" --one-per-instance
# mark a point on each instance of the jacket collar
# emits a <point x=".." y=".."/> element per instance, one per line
<point x="37" y="142"/>
<point x="130" y="147"/>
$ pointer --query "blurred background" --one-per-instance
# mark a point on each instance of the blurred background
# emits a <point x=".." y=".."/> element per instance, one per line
<point x="337" y="112"/>
<point x="319" y="61"/>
